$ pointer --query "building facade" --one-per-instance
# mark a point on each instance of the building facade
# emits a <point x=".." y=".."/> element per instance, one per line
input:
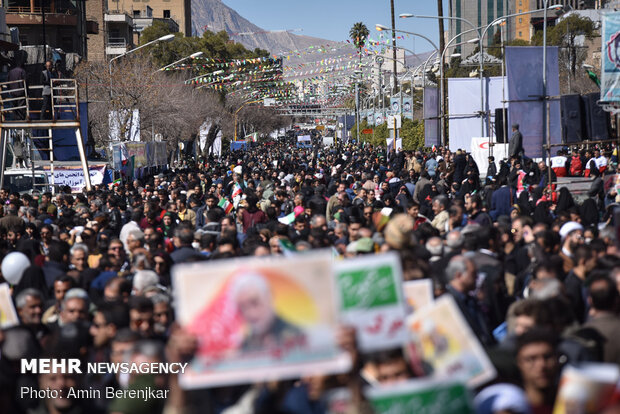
<point x="178" y="10"/>
<point x="122" y="21"/>
<point x="55" y="23"/>
<point x="479" y="13"/>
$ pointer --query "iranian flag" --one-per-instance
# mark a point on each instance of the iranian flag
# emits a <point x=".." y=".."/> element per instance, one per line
<point x="225" y="205"/>
<point x="237" y="191"/>
<point x="288" y="220"/>
<point x="252" y="137"/>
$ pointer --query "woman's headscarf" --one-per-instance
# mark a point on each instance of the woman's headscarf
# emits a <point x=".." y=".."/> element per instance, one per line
<point x="565" y="200"/>
<point x="524" y="204"/>
<point x="589" y="213"/>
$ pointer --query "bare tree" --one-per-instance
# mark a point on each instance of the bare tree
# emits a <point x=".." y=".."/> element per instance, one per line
<point x="166" y="105"/>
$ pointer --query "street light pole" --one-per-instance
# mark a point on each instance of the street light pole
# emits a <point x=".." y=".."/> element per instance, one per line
<point x="192" y="56"/>
<point x="545" y="120"/>
<point x="474" y="28"/>
<point x="161" y="39"/>
<point x="481" y="45"/>
<point x="442" y="88"/>
<point x="237" y="111"/>
<point x="381" y="27"/>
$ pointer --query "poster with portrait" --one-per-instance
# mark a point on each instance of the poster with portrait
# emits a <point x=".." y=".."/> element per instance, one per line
<point x="418" y="293"/>
<point x="443" y="339"/>
<point x="610" y="72"/>
<point x="259" y="319"/>
<point x="370" y="298"/>
<point x="421" y="396"/>
<point x="587" y="388"/>
<point x="8" y="316"/>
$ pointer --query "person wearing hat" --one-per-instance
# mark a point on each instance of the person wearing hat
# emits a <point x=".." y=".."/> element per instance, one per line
<point x="515" y="147"/>
<point x="571" y="234"/>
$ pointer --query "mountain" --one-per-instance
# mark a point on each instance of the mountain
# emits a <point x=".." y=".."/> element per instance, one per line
<point x="215" y="16"/>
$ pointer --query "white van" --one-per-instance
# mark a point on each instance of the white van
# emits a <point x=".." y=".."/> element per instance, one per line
<point x="20" y="180"/>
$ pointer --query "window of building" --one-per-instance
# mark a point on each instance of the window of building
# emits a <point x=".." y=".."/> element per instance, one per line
<point x="520" y="20"/>
<point x="520" y="34"/>
<point x="136" y="14"/>
<point x="520" y="11"/>
<point x="520" y="3"/>
<point x="166" y="14"/>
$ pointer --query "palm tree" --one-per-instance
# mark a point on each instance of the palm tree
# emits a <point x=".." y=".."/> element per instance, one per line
<point x="359" y="33"/>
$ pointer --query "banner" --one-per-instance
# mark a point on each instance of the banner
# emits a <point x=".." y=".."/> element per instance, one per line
<point x="480" y="153"/>
<point x="443" y="339"/>
<point x="370" y="299"/>
<point x="131" y="130"/>
<point x="371" y="118"/>
<point x="216" y="148"/>
<point x="421" y="396"/>
<point x="408" y="108"/>
<point x="587" y="388"/>
<point x="610" y="73"/>
<point x="117" y="156"/>
<point x="395" y="105"/>
<point x="464" y="107"/>
<point x="138" y="150"/>
<point x="277" y="316"/>
<point x="74" y="176"/>
<point x="379" y="119"/>
<point x="418" y="293"/>
<point x="160" y="159"/>
<point x="150" y="153"/>
<point x="431" y="112"/>
<point x="8" y="316"/>
<point x="524" y="78"/>
<point x="390" y="144"/>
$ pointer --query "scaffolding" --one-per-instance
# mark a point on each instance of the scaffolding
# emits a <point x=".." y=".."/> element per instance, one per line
<point x="19" y="109"/>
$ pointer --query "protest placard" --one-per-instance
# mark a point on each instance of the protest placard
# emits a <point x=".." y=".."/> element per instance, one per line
<point x="586" y="388"/>
<point x="259" y="319"/>
<point x="8" y="316"/>
<point x="370" y="298"/>
<point x="421" y="396"/>
<point x="444" y="340"/>
<point x="418" y="293"/>
<point x="339" y="401"/>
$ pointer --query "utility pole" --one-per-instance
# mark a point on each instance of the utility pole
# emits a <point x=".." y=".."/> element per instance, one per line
<point x="394" y="47"/>
<point x="442" y="45"/>
<point x="43" y="28"/>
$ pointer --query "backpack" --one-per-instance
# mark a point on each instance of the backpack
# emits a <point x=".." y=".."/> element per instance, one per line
<point x="576" y="167"/>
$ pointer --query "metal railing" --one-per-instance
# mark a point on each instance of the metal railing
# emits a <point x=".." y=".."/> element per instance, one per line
<point x="117" y="42"/>
<point x="39" y="10"/>
<point x="19" y="102"/>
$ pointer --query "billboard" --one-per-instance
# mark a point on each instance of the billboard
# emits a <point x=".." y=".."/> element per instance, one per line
<point x="525" y="84"/>
<point x="610" y="73"/>
<point x="431" y="116"/>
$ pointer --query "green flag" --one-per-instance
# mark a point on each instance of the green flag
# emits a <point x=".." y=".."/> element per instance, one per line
<point x="594" y="78"/>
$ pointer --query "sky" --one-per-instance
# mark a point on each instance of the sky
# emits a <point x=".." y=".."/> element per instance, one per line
<point x="332" y="19"/>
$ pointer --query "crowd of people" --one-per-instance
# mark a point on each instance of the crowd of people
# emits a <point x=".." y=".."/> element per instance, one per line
<point x="533" y="269"/>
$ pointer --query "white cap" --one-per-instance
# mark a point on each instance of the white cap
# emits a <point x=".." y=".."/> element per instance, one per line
<point x="569" y="227"/>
